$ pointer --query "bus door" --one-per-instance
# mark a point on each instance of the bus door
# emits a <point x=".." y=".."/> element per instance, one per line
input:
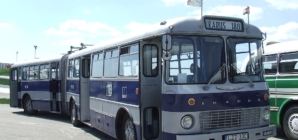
<point x="54" y="85"/>
<point x="150" y="89"/>
<point x="84" y="90"/>
<point x="14" y="87"/>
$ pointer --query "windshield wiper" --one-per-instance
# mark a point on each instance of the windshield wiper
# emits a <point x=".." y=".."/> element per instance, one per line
<point x="245" y="77"/>
<point x="216" y="76"/>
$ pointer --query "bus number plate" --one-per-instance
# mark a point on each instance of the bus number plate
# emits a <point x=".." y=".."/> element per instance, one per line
<point x="238" y="136"/>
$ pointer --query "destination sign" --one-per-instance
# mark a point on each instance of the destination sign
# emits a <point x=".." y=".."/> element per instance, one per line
<point x="224" y="25"/>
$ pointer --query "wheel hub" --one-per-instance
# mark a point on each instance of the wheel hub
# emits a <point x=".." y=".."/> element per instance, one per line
<point x="28" y="105"/>
<point x="293" y="123"/>
<point x="73" y="113"/>
<point x="129" y="131"/>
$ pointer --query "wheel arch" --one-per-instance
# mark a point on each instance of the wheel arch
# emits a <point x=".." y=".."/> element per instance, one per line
<point x="71" y="99"/>
<point x="284" y="107"/>
<point x="24" y="97"/>
<point x="119" y="116"/>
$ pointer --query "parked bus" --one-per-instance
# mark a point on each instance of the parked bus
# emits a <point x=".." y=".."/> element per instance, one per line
<point x="281" y="73"/>
<point x="180" y="80"/>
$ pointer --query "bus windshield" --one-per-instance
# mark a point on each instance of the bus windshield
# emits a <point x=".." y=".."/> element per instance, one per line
<point x="245" y="60"/>
<point x="195" y="59"/>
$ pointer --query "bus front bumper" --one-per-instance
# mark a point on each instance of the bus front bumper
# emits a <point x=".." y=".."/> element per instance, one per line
<point x="249" y="134"/>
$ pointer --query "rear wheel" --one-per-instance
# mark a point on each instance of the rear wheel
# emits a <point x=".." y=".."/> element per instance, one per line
<point x="28" y="108"/>
<point x="74" y="115"/>
<point x="290" y="123"/>
<point x="128" y="130"/>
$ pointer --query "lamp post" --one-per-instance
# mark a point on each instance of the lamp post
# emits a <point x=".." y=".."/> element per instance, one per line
<point x="35" y="51"/>
<point x="17" y="56"/>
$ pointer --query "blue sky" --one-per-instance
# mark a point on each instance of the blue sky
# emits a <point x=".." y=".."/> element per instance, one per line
<point x="57" y="24"/>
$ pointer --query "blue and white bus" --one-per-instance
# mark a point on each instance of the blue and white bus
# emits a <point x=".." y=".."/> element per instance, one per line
<point x="180" y="80"/>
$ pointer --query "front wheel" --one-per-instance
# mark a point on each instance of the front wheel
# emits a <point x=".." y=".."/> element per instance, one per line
<point x="128" y="130"/>
<point x="290" y="123"/>
<point x="28" y="108"/>
<point x="74" y="115"/>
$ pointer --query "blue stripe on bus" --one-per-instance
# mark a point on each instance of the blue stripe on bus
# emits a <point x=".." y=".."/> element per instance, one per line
<point x="98" y="90"/>
<point x="35" y="86"/>
<point x="213" y="101"/>
<point x="73" y="86"/>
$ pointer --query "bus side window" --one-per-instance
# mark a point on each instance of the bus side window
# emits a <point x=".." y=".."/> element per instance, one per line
<point x="150" y="67"/>
<point x="288" y="63"/>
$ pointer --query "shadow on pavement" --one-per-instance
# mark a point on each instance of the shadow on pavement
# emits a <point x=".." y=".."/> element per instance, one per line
<point x="66" y="119"/>
<point x="280" y="134"/>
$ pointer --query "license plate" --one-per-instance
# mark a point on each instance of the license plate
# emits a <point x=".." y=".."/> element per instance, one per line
<point x="238" y="136"/>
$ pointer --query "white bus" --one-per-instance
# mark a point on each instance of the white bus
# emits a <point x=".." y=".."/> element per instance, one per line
<point x="178" y="81"/>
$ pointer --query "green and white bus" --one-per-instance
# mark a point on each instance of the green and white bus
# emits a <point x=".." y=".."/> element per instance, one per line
<point x="281" y="74"/>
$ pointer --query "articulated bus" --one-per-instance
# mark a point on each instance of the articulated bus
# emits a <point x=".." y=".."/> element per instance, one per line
<point x="178" y="81"/>
<point x="281" y="73"/>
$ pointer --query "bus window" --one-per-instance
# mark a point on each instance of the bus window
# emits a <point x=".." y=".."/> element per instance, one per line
<point x="111" y="63"/>
<point x="25" y="73"/>
<point x="44" y="72"/>
<point x="70" y="68"/>
<point x="97" y="65"/>
<point x="270" y="65"/>
<point x="288" y="63"/>
<point x="20" y="73"/>
<point x="129" y="61"/>
<point x="77" y="67"/>
<point x="150" y="67"/>
<point x="14" y="74"/>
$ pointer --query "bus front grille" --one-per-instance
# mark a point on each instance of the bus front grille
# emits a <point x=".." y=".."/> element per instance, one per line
<point x="213" y="120"/>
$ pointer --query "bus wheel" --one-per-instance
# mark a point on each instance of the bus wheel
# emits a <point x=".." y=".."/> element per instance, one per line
<point x="74" y="115"/>
<point x="128" y="131"/>
<point x="28" y="108"/>
<point x="290" y="123"/>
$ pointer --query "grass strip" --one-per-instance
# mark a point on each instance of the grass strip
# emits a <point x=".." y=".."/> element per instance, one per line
<point x="4" y="101"/>
<point x="4" y="72"/>
<point x="4" y="81"/>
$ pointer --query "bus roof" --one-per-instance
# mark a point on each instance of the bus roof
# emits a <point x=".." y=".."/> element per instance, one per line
<point x="38" y="61"/>
<point x="182" y="25"/>
<point x="283" y="47"/>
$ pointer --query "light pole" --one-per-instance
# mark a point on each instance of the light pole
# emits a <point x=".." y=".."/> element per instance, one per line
<point x="35" y="51"/>
<point x="17" y="56"/>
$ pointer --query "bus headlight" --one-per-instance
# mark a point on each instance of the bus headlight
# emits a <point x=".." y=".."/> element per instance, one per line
<point x="187" y="121"/>
<point x="266" y="114"/>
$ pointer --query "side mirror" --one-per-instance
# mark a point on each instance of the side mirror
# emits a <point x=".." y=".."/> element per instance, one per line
<point x="166" y="42"/>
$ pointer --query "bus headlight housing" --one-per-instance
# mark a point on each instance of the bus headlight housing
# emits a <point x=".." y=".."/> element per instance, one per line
<point x="266" y="114"/>
<point x="187" y="121"/>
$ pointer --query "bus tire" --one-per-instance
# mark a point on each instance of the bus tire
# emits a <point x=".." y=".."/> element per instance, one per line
<point x="74" y="115"/>
<point x="290" y="123"/>
<point x="28" y="108"/>
<point x="128" y="129"/>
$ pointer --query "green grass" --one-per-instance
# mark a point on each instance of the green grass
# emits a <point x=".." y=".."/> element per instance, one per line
<point x="4" y="72"/>
<point x="4" y="82"/>
<point x="4" y="101"/>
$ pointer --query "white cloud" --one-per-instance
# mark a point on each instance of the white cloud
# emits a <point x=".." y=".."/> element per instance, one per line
<point x="82" y="28"/>
<point x="173" y="2"/>
<point x="5" y="25"/>
<point x="230" y="10"/>
<point x="283" y="4"/>
<point x="285" y="32"/>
